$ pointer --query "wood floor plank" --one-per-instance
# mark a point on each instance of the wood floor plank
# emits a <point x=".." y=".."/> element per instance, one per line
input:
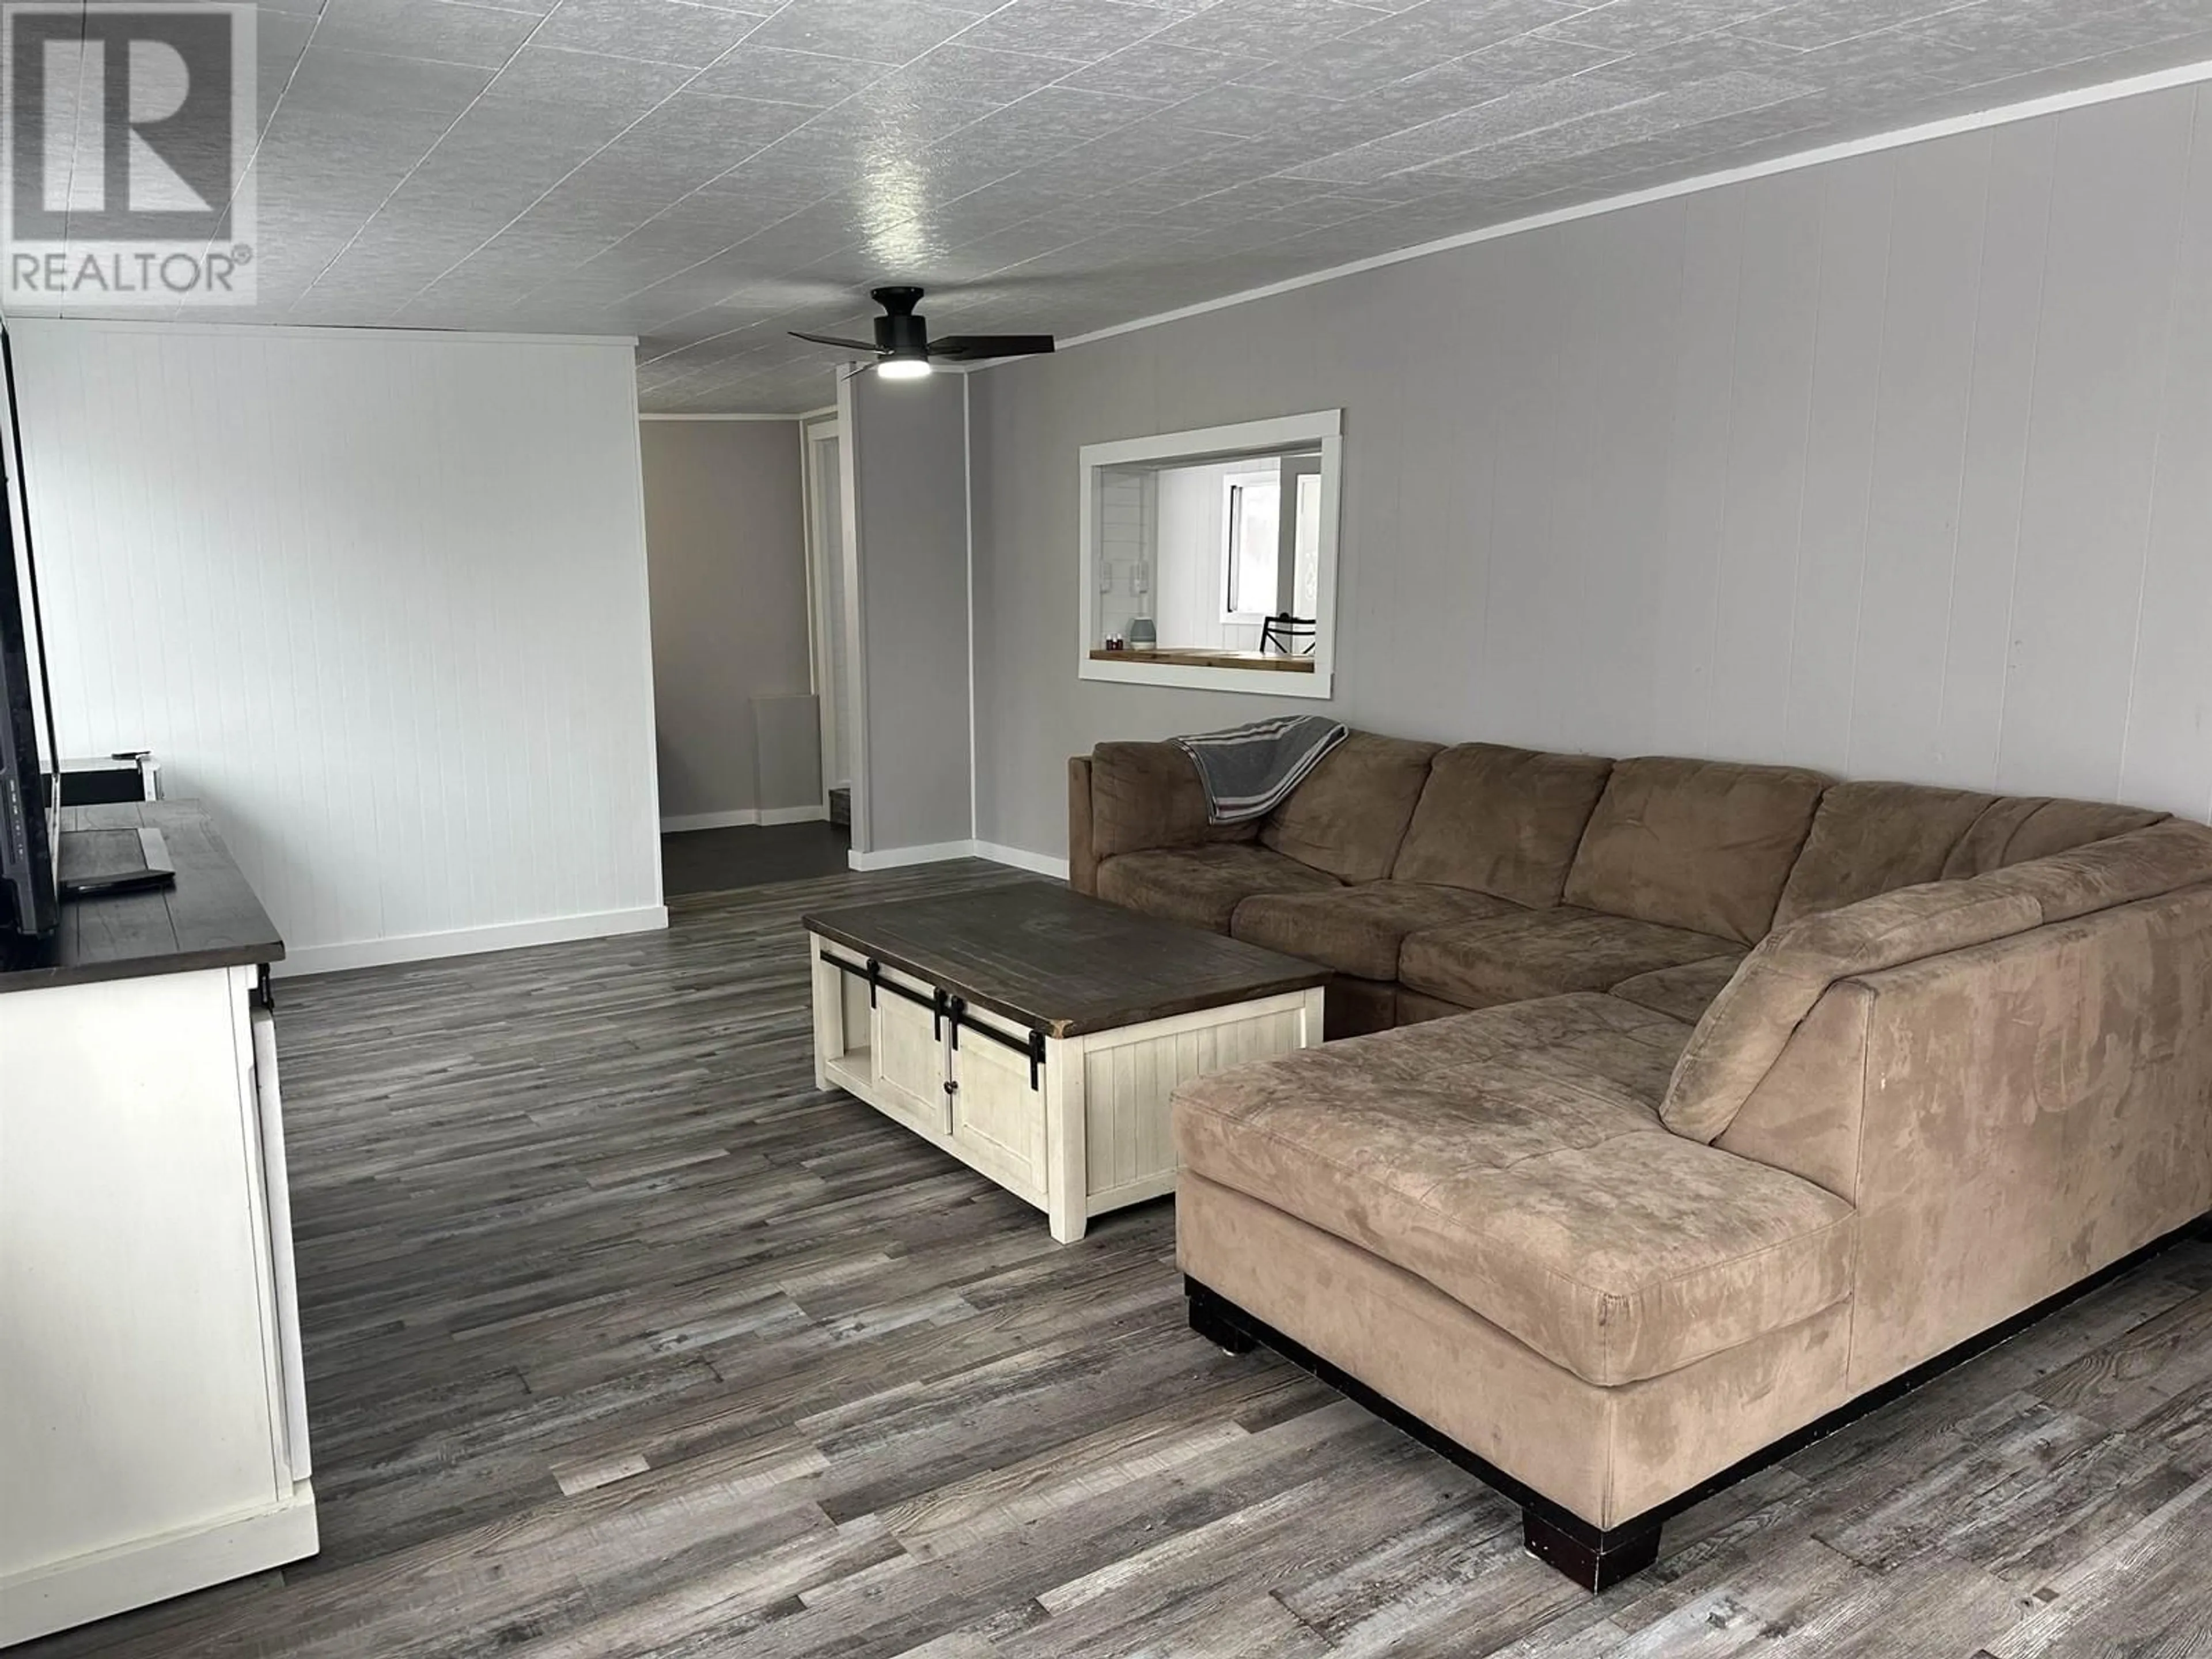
<point x="624" y="1343"/>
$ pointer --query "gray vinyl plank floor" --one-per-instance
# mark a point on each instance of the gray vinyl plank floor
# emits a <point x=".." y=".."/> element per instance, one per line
<point x="624" y="1341"/>
<point x="751" y="855"/>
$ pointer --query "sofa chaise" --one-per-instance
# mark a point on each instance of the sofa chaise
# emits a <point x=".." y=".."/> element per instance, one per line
<point x="1686" y="1107"/>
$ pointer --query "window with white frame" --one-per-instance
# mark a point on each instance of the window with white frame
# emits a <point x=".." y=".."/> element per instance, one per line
<point x="1251" y="562"/>
<point x="1208" y="558"/>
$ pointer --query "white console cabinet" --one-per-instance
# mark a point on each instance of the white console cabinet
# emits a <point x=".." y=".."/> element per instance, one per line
<point x="153" y="1413"/>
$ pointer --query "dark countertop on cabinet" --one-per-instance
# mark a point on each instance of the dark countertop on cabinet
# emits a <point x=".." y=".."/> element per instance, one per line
<point x="210" y="918"/>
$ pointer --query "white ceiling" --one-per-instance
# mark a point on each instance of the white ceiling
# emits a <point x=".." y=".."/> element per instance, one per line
<point x="708" y="173"/>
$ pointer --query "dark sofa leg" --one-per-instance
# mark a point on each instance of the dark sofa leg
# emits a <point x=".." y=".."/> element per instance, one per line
<point x="1594" y="1558"/>
<point x="1210" y="1319"/>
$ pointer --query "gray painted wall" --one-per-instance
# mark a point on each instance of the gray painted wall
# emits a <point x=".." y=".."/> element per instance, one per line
<point x="726" y="552"/>
<point x="1899" y="467"/>
<point x="908" y="445"/>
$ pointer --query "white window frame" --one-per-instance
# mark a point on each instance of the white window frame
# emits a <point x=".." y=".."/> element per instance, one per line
<point x="1229" y="485"/>
<point x="1323" y="430"/>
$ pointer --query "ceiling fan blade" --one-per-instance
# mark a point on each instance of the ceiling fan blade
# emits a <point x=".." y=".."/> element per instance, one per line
<point x="868" y="347"/>
<point x="973" y="348"/>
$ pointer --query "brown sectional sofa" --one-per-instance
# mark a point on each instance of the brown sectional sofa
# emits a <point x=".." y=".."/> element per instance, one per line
<point x="1759" y="1094"/>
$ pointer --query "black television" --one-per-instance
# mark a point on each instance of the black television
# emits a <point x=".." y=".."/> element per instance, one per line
<point x="30" y="760"/>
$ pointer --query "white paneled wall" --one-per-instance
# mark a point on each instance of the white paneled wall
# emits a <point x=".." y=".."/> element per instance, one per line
<point x="379" y="599"/>
<point x="1898" y="466"/>
<point x="1127" y="504"/>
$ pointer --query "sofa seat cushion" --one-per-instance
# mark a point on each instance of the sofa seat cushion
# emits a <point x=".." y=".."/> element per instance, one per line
<point x="1542" y="953"/>
<point x="1358" y="930"/>
<point x="1683" y="993"/>
<point x="1514" y="1159"/>
<point x="1203" y="885"/>
<point x="1706" y="845"/>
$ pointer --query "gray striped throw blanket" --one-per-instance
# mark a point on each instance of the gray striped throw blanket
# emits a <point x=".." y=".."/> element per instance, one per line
<point x="1248" y="768"/>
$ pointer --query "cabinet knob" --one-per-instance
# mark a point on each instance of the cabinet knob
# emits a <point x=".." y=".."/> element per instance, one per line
<point x="952" y="1088"/>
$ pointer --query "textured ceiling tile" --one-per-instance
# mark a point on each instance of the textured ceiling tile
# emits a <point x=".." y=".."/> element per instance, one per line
<point x="330" y="169"/>
<point x="1154" y="69"/>
<point x="1983" y="27"/>
<point x="1812" y="23"/>
<point x="1445" y="29"/>
<point x="702" y="138"/>
<point x="791" y="77"/>
<point x="1272" y="28"/>
<point x="571" y="80"/>
<point x="811" y="159"/>
<point x="446" y="30"/>
<point x="892" y="34"/>
<point x="1346" y="69"/>
<point x="661" y="31"/>
<point x="1246" y="111"/>
<point x="1465" y="83"/>
<point x="1055" y="119"/>
<point x="958" y="69"/>
<point x="1056" y="164"/>
<point x="1663" y="68"/>
<point x="604" y="199"/>
<point x="1129" y="153"/>
<point x="504" y="148"/>
<point x="1700" y="101"/>
<point x="330" y="79"/>
<point x="894" y="121"/>
<point x="1085" y="30"/>
<point x="810" y="234"/>
<point x="950" y="170"/>
<point x="1876" y="64"/>
<point x="696" y="227"/>
<point x="998" y="249"/>
<point x="1640" y="24"/>
<point x="1506" y="117"/>
<point x="278" y="41"/>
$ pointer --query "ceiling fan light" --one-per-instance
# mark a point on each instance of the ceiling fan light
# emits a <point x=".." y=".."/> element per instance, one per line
<point x="903" y="368"/>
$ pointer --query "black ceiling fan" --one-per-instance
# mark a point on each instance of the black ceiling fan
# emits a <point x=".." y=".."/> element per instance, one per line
<point x="902" y="348"/>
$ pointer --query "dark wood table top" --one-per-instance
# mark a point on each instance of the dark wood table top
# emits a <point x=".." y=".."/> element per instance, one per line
<point x="1061" y="964"/>
<point x="210" y="918"/>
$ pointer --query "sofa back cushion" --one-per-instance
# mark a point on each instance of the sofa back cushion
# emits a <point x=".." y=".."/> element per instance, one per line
<point x="1146" y="795"/>
<point x="2017" y="828"/>
<point x="2143" y="864"/>
<point x="1350" y="814"/>
<point x="1870" y="838"/>
<point x="1704" y="845"/>
<point x="1751" y="1021"/>
<point x="1501" y="821"/>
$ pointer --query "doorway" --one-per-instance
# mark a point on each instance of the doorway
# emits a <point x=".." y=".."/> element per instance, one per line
<point x="822" y="440"/>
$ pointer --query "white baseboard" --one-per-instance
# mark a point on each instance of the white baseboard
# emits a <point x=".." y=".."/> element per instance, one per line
<point x="738" y="818"/>
<point x="743" y="818"/>
<point x="1042" y="864"/>
<point x="471" y="941"/>
<point x="895" y="858"/>
<point x="89" y="1587"/>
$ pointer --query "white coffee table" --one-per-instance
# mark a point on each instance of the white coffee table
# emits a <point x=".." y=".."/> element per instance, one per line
<point x="1037" y="1035"/>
